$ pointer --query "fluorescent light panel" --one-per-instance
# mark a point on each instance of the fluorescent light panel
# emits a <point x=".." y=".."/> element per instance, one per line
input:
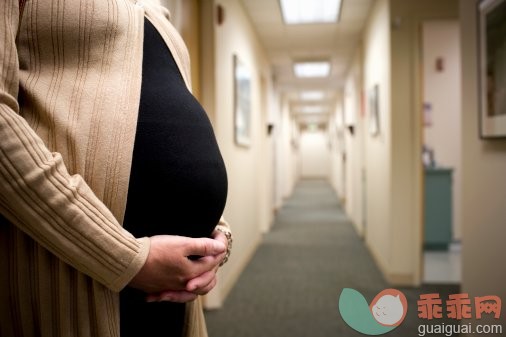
<point x="312" y="69"/>
<point x="310" y="11"/>
<point x="312" y="95"/>
<point x="312" y="109"/>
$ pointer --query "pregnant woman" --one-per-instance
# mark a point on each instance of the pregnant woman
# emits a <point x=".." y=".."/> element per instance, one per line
<point x="112" y="184"/>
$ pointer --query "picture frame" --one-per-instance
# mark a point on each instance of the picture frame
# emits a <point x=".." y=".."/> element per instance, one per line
<point x="242" y="103"/>
<point x="492" y="68"/>
<point x="374" y="111"/>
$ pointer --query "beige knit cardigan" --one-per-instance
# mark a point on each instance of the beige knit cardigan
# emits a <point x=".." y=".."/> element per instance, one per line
<point x="70" y="78"/>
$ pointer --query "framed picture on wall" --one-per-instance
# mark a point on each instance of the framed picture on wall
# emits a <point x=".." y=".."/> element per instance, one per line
<point x="374" y="112"/>
<point x="492" y="66"/>
<point x="242" y="103"/>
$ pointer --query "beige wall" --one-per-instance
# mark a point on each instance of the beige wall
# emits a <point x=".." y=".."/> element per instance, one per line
<point x="247" y="209"/>
<point x="347" y="175"/>
<point x="286" y="144"/>
<point x="483" y="190"/>
<point x="364" y="181"/>
<point x="336" y="131"/>
<point x="278" y="150"/>
<point x="267" y="151"/>
<point x="376" y="65"/>
<point x="315" y="155"/>
<point x="355" y="143"/>
<point x="289" y="156"/>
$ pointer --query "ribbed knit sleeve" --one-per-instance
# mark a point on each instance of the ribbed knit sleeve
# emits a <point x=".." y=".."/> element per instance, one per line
<point x="41" y="198"/>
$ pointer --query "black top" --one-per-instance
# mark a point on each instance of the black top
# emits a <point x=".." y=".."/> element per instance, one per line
<point x="178" y="182"/>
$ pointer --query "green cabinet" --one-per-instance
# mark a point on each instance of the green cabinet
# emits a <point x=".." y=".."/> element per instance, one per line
<point x="438" y="208"/>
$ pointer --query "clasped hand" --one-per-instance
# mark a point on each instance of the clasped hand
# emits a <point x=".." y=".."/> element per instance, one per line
<point x="170" y="275"/>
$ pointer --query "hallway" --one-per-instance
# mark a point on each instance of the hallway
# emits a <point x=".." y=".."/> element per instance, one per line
<point x="291" y="286"/>
<point x="369" y="101"/>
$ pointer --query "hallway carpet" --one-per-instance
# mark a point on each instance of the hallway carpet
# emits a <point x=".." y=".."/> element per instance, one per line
<point x="292" y="285"/>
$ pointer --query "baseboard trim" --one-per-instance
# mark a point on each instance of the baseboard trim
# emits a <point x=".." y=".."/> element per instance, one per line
<point x="393" y="279"/>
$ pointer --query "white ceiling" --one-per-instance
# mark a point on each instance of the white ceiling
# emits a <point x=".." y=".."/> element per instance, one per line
<point x="285" y="44"/>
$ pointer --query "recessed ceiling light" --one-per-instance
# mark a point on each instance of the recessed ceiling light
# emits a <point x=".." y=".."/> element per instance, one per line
<point x="310" y="11"/>
<point x="312" y="69"/>
<point x="312" y="95"/>
<point x="312" y="109"/>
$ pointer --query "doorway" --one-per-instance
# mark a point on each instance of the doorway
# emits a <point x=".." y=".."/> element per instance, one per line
<point x="441" y="157"/>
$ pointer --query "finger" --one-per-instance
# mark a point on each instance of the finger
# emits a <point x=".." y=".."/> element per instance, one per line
<point x="207" y="288"/>
<point x="209" y="261"/>
<point x="172" y="296"/>
<point x="200" y="281"/>
<point x="203" y="265"/>
<point x="204" y="247"/>
<point x="217" y="235"/>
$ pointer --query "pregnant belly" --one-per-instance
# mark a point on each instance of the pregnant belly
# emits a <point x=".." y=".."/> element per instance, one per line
<point x="178" y="181"/>
<point x="175" y="187"/>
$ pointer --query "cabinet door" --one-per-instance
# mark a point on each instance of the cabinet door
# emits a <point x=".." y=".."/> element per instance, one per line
<point x="438" y="209"/>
